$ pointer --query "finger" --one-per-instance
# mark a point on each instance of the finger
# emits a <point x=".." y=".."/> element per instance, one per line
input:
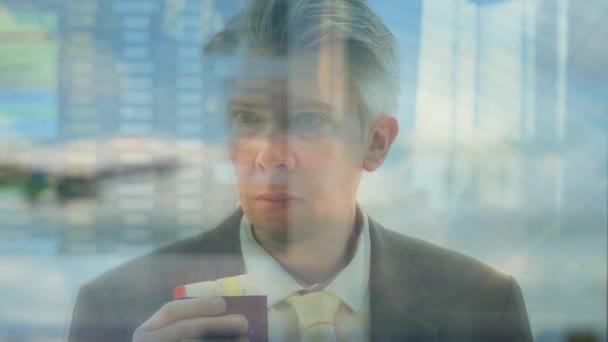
<point x="182" y="309"/>
<point x="218" y="339"/>
<point x="197" y="328"/>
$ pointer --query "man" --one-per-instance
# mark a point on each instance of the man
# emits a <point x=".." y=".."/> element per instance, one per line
<point x="310" y="87"/>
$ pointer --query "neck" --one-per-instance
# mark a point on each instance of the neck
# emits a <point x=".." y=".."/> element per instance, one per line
<point x="314" y="258"/>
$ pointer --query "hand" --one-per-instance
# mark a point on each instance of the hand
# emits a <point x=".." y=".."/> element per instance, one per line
<point x="191" y="319"/>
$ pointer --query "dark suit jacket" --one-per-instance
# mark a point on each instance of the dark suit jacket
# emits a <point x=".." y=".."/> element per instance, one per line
<point x="419" y="292"/>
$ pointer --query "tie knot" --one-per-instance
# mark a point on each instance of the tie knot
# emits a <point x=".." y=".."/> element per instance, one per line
<point x="314" y="309"/>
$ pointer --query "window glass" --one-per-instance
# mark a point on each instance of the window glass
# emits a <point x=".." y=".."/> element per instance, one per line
<point x="114" y="142"/>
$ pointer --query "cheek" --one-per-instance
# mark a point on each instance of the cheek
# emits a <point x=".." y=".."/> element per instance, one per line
<point x="238" y="151"/>
<point x="331" y="166"/>
<point x="241" y="158"/>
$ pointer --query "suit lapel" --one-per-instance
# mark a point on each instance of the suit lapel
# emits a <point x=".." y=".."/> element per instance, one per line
<point x="228" y="243"/>
<point x="212" y="255"/>
<point x="395" y="291"/>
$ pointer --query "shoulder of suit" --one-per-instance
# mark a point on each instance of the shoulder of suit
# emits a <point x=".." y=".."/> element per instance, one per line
<point x="444" y="272"/>
<point x="165" y="260"/>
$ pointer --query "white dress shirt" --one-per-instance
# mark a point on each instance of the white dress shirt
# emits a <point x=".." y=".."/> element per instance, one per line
<point x="351" y="285"/>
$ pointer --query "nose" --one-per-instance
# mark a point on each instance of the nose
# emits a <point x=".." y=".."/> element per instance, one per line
<point x="275" y="153"/>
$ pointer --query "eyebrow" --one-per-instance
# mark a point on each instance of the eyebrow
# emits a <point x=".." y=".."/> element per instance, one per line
<point x="251" y="100"/>
<point x="262" y="100"/>
<point x="237" y="103"/>
<point x="313" y="103"/>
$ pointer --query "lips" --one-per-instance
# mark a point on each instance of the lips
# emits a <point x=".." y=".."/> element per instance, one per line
<point x="277" y="200"/>
<point x="279" y="196"/>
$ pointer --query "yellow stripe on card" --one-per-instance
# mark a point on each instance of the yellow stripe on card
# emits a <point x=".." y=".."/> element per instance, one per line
<point x="231" y="285"/>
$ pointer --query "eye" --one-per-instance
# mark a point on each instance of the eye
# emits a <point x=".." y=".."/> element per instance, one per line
<point x="246" y="118"/>
<point x="307" y="120"/>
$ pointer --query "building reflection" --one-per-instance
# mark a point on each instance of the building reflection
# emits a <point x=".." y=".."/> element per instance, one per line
<point x="502" y="152"/>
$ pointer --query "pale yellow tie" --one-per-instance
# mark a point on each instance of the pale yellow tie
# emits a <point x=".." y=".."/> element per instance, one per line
<point x="315" y="312"/>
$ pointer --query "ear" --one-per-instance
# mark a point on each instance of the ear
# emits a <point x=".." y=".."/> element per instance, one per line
<point x="383" y="132"/>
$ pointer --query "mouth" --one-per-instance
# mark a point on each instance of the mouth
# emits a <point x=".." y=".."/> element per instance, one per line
<point x="277" y="200"/>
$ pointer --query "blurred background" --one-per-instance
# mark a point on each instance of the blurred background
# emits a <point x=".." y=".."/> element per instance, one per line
<point x="111" y="145"/>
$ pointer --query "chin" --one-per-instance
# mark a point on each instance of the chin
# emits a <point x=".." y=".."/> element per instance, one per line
<point x="282" y="226"/>
<point x="274" y="222"/>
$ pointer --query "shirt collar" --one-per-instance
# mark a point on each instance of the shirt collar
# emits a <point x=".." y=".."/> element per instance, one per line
<point x="350" y="284"/>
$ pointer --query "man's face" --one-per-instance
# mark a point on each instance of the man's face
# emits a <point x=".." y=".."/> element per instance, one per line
<point x="297" y="146"/>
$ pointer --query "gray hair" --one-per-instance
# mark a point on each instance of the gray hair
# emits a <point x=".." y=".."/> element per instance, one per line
<point x="277" y="26"/>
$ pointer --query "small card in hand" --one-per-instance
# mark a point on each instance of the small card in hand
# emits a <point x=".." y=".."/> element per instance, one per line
<point x="254" y="309"/>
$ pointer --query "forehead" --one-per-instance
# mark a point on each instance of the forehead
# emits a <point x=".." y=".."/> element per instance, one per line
<point x="317" y="75"/>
